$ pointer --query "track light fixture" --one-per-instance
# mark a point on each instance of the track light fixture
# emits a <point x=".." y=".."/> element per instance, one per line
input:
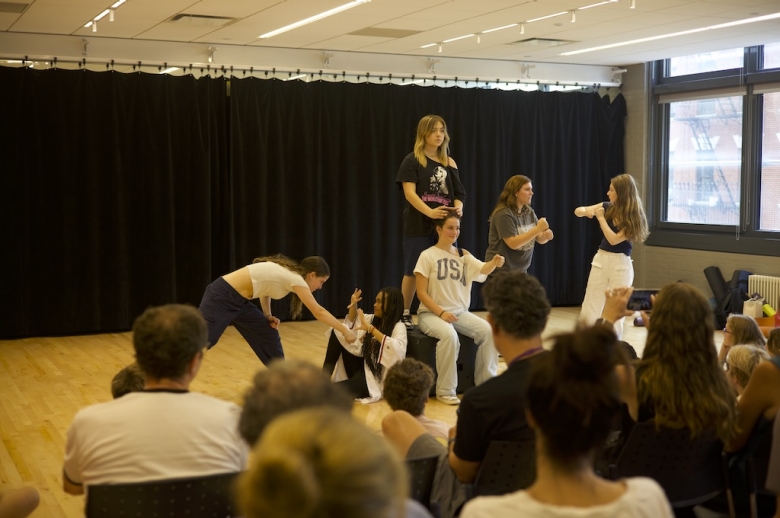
<point x="212" y="50"/>
<point x="522" y="28"/>
<point x="440" y="47"/>
<point x="632" y="4"/>
<point x="573" y="16"/>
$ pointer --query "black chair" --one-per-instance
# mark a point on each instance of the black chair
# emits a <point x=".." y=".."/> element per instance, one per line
<point x="202" y="497"/>
<point x="423" y="348"/>
<point x="421" y="474"/>
<point x="508" y="466"/>
<point x="688" y="469"/>
<point x="750" y="466"/>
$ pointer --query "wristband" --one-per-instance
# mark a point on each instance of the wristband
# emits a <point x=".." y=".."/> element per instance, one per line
<point x="443" y="311"/>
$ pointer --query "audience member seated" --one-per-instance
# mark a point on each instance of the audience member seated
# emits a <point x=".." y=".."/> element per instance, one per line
<point x="129" y="379"/>
<point x="740" y="330"/>
<point x="165" y="431"/>
<point x="761" y="398"/>
<point x="773" y="342"/>
<point x="496" y="410"/>
<point x="407" y="386"/>
<point x="773" y="473"/>
<point x="741" y="361"/>
<point x="289" y="386"/>
<point x="573" y="397"/>
<point x="679" y="380"/>
<point x="321" y="462"/>
<point x="380" y="342"/>
<point x="18" y="503"/>
<point x="444" y="276"/>
<point x="286" y="386"/>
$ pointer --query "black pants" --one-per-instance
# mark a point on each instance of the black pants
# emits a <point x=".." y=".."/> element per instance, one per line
<point x="355" y="383"/>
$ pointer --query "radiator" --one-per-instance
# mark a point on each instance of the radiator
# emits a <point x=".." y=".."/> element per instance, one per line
<point x="766" y="286"/>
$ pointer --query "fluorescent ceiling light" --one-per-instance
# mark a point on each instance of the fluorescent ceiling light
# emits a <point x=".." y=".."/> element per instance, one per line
<point x="545" y="17"/>
<point x="675" y="34"/>
<point x="596" y="5"/>
<point x="300" y="76"/>
<point x="117" y="4"/>
<point x="314" y="18"/>
<point x="103" y="14"/>
<point x="169" y="70"/>
<point x="459" y="38"/>
<point x="428" y="45"/>
<point x="500" y="28"/>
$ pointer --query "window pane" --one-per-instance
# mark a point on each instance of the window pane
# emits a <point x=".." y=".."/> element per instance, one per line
<point x="706" y="62"/>
<point x="705" y="161"/>
<point x="772" y="55"/>
<point x="770" y="164"/>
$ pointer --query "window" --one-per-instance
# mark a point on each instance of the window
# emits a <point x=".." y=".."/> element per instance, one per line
<point x="769" y="217"/>
<point x="707" y="62"/>
<point x="704" y="161"/>
<point x="715" y="139"/>
<point x="772" y="55"/>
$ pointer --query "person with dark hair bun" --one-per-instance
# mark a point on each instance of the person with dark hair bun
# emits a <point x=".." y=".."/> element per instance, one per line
<point x="228" y="300"/>
<point x="573" y="398"/>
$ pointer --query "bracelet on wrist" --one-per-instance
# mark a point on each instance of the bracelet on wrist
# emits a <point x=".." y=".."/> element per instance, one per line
<point x="443" y="311"/>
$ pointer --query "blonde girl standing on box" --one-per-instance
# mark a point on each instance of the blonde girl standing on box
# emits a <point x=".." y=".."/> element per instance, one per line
<point x="623" y="222"/>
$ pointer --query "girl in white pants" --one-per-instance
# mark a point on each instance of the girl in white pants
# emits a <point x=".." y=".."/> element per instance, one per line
<point x="623" y="222"/>
<point x="444" y="275"/>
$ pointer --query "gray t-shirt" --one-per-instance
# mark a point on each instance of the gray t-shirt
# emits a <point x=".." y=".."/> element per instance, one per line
<point x="507" y="223"/>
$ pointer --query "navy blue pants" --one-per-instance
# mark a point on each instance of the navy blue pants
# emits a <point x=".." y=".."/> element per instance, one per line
<point x="222" y="305"/>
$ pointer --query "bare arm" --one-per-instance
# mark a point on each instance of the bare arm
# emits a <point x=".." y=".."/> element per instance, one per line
<point x="496" y="262"/>
<point x="458" y="202"/>
<point x="322" y="314"/>
<point x="760" y="397"/>
<point x="518" y="241"/>
<point x="611" y="237"/>
<point x="428" y="302"/>
<point x="415" y="201"/>
<point x="587" y="211"/>
<point x="265" y="304"/>
<point x="465" y="470"/>
<point x="356" y="297"/>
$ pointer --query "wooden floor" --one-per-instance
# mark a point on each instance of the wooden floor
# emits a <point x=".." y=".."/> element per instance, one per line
<point x="45" y="381"/>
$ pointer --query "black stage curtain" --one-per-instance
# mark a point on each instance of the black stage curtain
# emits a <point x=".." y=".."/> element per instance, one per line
<point x="316" y="164"/>
<point x="112" y="187"/>
<point x="130" y="190"/>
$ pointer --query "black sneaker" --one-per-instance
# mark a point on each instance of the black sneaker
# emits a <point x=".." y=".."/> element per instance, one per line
<point x="407" y="320"/>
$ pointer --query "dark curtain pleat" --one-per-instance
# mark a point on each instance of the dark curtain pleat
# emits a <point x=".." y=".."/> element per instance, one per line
<point x="130" y="190"/>
<point x="109" y="181"/>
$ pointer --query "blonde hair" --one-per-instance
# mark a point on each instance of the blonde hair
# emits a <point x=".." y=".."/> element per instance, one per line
<point x="627" y="212"/>
<point x="742" y="360"/>
<point x="321" y="462"/>
<point x="745" y="330"/>
<point x="424" y="128"/>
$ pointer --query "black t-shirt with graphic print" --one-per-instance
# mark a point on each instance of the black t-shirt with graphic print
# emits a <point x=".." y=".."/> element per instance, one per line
<point x="436" y="185"/>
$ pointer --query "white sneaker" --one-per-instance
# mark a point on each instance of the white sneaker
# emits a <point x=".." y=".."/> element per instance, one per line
<point x="449" y="400"/>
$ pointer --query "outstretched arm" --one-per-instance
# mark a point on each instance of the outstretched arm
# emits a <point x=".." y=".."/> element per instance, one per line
<point x="586" y="211"/>
<point x="496" y="262"/>
<point x="322" y="314"/>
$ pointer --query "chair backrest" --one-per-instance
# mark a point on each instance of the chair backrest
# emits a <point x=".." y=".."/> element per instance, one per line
<point x="421" y="473"/>
<point x="202" y="497"/>
<point x="688" y="469"/>
<point x="508" y="466"/>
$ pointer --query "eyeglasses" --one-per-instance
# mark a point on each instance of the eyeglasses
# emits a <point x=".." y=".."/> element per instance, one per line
<point x="725" y="330"/>
<point x="726" y="366"/>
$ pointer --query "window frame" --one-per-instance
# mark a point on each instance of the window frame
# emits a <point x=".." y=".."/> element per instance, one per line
<point x="743" y="238"/>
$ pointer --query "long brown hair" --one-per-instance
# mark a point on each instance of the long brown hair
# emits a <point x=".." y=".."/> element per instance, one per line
<point x="508" y="199"/>
<point x="311" y="264"/>
<point x="680" y="376"/>
<point x="627" y="211"/>
<point x="424" y="128"/>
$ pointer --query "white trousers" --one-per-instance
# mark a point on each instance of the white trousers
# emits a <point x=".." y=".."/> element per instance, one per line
<point x="608" y="270"/>
<point x="448" y="347"/>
